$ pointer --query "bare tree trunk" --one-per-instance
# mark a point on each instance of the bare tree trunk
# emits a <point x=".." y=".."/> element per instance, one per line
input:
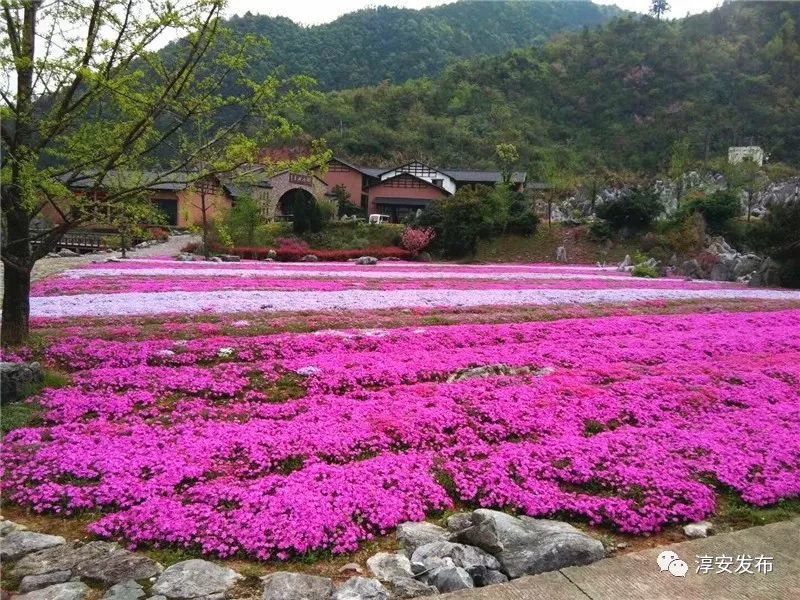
<point x="124" y="242"/>
<point x="16" y="279"/>
<point x="206" y="251"/>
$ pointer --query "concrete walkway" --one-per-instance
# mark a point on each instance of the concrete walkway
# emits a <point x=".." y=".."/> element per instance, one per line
<point x="636" y="576"/>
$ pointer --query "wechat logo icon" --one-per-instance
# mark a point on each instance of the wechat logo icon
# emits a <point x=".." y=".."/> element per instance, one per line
<point x="669" y="561"/>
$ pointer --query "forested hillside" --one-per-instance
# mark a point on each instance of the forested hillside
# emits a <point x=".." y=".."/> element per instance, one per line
<point x="614" y="97"/>
<point x="395" y="44"/>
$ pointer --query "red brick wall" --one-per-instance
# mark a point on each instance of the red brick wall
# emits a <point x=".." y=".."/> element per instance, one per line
<point x="351" y="180"/>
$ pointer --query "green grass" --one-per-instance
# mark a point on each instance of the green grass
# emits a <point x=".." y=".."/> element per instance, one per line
<point x="18" y="415"/>
<point x="736" y="514"/>
<point x="22" y="413"/>
<point x="542" y="246"/>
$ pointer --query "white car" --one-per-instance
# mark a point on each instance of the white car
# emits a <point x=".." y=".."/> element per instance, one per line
<point x="376" y="218"/>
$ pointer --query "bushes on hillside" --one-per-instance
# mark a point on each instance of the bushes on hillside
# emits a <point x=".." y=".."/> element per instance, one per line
<point x="718" y="209"/>
<point x="632" y="212"/>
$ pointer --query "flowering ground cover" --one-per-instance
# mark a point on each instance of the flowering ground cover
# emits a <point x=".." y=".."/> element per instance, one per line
<point x="276" y="434"/>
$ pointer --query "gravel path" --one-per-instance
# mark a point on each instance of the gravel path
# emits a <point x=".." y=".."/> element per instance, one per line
<point x="52" y="266"/>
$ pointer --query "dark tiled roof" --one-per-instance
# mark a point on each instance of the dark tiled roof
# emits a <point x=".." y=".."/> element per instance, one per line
<point x="483" y="176"/>
<point x="148" y="179"/>
<point x="460" y="175"/>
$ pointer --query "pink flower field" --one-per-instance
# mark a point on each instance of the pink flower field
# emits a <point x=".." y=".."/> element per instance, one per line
<point x="273" y="431"/>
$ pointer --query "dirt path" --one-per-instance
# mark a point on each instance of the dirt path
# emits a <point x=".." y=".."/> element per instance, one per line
<point x="47" y="267"/>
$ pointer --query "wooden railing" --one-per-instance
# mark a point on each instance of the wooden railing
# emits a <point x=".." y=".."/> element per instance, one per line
<point x="77" y="241"/>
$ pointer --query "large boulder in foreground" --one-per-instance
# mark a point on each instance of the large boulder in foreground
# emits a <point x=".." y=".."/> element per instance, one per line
<point x="526" y="546"/>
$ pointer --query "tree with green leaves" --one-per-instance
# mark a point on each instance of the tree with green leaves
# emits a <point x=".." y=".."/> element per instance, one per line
<point x="132" y="216"/>
<point x="88" y="97"/>
<point x="748" y="177"/>
<point x="243" y="220"/>
<point x="658" y="8"/>
<point x="507" y="158"/>
<point x="556" y="168"/>
<point x="679" y="162"/>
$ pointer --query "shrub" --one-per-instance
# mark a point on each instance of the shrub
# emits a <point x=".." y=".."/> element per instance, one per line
<point x="308" y="215"/>
<point x="416" y="240"/>
<point x="294" y="252"/>
<point x="717" y="209"/>
<point x="522" y="217"/>
<point x="461" y="220"/>
<point x="645" y="270"/>
<point x="191" y="248"/>
<point x="600" y="230"/>
<point x="243" y="220"/>
<point x="157" y="233"/>
<point x="634" y="211"/>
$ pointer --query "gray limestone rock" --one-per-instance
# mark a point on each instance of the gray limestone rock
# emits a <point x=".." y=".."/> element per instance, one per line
<point x="195" y="578"/>
<point x="412" y="534"/>
<point x="403" y="589"/>
<point x="64" y="557"/>
<point x="361" y="588"/>
<point x="19" y="543"/>
<point x="285" y="585"/>
<point x="389" y="567"/>
<point x="526" y="546"/>
<point x="73" y="590"/>
<point x="16" y="378"/>
<point x="30" y="583"/>
<point x="449" y="578"/>
<point x="126" y="590"/>
<point x="459" y="521"/>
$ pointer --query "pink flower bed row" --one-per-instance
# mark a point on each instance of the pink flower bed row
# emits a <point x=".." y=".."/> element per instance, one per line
<point x="388" y="266"/>
<point x="259" y="300"/>
<point x="57" y="286"/>
<point x="622" y="421"/>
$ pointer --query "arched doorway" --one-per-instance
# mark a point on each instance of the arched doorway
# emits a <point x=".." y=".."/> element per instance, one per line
<point x="284" y="211"/>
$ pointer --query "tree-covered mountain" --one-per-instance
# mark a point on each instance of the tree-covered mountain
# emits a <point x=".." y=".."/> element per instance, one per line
<point x="618" y="96"/>
<point x="395" y="44"/>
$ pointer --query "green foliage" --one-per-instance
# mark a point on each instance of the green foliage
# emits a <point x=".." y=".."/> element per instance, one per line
<point x="344" y="206"/>
<point x="632" y="212"/>
<point x="600" y="230"/>
<point x="242" y="221"/>
<point x="624" y="95"/>
<point x="717" y="209"/>
<point x="223" y="234"/>
<point x="507" y="157"/>
<point x="308" y="215"/>
<point x="644" y="270"/>
<point x="779" y="236"/>
<point x="466" y="217"/>
<point x="395" y="44"/>
<point x="522" y="217"/>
